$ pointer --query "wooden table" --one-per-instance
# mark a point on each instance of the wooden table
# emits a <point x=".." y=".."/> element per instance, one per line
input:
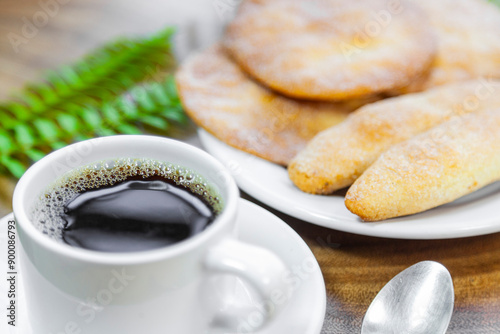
<point x="355" y="267"/>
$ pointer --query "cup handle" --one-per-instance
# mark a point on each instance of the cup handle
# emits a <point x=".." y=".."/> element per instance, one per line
<point x="258" y="266"/>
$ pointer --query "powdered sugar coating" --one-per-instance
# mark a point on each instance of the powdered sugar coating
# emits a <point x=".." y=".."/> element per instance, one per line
<point x="223" y="100"/>
<point x="445" y="163"/>
<point x="331" y="49"/>
<point x="336" y="157"/>
<point x="468" y="40"/>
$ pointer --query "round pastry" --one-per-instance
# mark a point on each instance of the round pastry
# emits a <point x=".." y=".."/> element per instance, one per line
<point x="331" y="49"/>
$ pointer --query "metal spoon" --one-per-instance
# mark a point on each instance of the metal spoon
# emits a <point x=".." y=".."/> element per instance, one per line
<point x="416" y="301"/>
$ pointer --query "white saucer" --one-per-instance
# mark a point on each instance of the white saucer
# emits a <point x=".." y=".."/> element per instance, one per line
<point x="472" y="215"/>
<point x="306" y="309"/>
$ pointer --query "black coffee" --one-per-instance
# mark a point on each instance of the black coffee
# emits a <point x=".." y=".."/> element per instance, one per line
<point x="127" y="206"/>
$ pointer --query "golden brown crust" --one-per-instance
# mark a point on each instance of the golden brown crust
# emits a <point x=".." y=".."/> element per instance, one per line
<point x="331" y="49"/>
<point x="434" y="168"/>
<point x="336" y="157"/>
<point x="220" y="98"/>
<point x="468" y="40"/>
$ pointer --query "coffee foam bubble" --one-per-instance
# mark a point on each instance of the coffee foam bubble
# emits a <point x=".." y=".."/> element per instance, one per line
<point x="47" y="211"/>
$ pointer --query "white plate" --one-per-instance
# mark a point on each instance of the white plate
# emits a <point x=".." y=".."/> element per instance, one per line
<point x="306" y="309"/>
<point x="474" y="214"/>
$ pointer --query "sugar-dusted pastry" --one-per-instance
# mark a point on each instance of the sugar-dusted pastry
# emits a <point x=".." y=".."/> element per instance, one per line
<point x="331" y="49"/>
<point x="219" y="97"/>
<point x="431" y="169"/>
<point x="468" y="40"/>
<point x="336" y="157"/>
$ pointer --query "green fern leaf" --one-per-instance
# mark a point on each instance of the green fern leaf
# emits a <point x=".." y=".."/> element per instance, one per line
<point x="34" y="154"/>
<point x="99" y="77"/>
<point x="56" y="145"/>
<point x="129" y="129"/>
<point x="155" y="122"/>
<point x="24" y="136"/>
<point x="6" y="144"/>
<point x="100" y="95"/>
<point x="14" y="167"/>
<point x="150" y="106"/>
<point x="47" y="130"/>
<point x="67" y="122"/>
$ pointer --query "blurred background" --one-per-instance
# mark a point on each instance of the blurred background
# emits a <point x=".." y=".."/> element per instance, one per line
<point x="67" y="29"/>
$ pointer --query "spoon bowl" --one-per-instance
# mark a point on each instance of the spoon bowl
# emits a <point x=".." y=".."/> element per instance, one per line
<point x="416" y="301"/>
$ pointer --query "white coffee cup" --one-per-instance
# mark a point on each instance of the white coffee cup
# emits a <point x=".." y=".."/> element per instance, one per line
<point x="71" y="290"/>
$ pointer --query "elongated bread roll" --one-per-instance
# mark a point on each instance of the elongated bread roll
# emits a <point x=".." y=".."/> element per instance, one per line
<point x="434" y="168"/>
<point x="336" y="157"/>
